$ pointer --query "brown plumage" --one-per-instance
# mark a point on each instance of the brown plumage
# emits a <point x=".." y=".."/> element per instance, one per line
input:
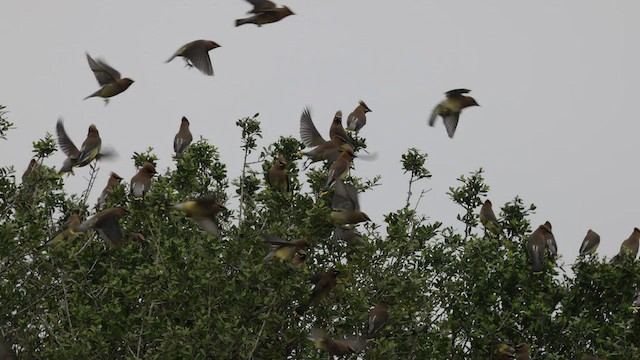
<point x="141" y="182"/>
<point x="204" y="212"/>
<point x="265" y="12"/>
<point x="323" y="284"/>
<point x="68" y="232"/>
<point x="378" y="316"/>
<point x="318" y="148"/>
<point x="336" y="347"/>
<point x="90" y="149"/>
<point x="590" y="243"/>
<point x="552" y="246"/>
<point x="108" y="78"/>
<point x="277" y="176"/>
<point x="33" y="164"/>
<point x="629" y="246"/>
<point x="502" y="350"/>
<point x="340" y="167"/>
<point x="114" y="179"/>
<point x="522" y="352"/>
<point x="488" y="218"/>
<point x="284" y="250"/>
<point x="106" y="223"/>
<point x="183" y="138"/>
<point x="450" y="108"/>
<point x="346" y="205"/>
<point x="299" y="261"/>
<point x="347" y="235"/>
<point x="196" y="53"/>
<point x="536" y="245"/>
<point x="358" y="117"/>
<point x="336" y="129"/>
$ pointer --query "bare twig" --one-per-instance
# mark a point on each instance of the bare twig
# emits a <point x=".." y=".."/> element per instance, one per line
<point x="255" y="345"/>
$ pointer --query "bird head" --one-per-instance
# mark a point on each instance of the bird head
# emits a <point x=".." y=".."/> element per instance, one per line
<point x="93" y="129"/>
<point x="287" y="11"/>
<point x="149" y="167"/>
<point x="115" y="176"/>
<point x="282" y="163"/>
<point x="364" y="106"/>
<point x="337" y="117"/>
<point x="126" y="82"/>
<point x="469" y="101"/>
<point x="548" y="224"/>
<point x="335" y="272"/>
<point x="212" y="45"/>
<point x="185" y="121"/>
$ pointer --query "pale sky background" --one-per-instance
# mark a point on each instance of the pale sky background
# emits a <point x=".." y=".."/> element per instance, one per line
<point x="557" y="123"/>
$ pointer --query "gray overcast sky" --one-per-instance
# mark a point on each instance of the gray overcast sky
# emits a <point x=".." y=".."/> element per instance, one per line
<point x="557" y="123"/>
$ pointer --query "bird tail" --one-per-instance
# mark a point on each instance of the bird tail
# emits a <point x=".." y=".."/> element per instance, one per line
<point x="171" y="58"/>
<point x="269" y="256"/>
<point x="300" y="310"/>
<point x="241" y="22"/>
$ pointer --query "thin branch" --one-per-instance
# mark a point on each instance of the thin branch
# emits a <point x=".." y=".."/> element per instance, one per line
<point x="255" y="345"/>
<point x="92" y="178"/>
<point x="66" y="301"/>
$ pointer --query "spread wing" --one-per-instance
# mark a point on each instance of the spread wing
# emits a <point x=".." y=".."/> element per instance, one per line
<point x="66" y="145"/>
<point x="308" y="132"/>
<point x="345" y="197"/>
<point x="104" y="73"/>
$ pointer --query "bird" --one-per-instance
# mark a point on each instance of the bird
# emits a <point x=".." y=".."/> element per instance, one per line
<point x="336" y="347"/>
<point x="277" y="176"/>
<point x="340" y="166"/>
<point x="141" y="182"/>
<point x="108" y="78"/>
<point x="90" y="149"/>
<point x="183" y="138"/>
<point x="336" y="129"/>
<point x="196" y="53"/>
<point x="536" y="244"/>
<point x="552" y="246"/>
<point x="33" y="164"/>
<point x="6" y="353"/>
<point x="137" y="236"/>
<point x="522" y="352"/>
<point x="203" y="211"/>
<point x="378" y="316"/>
<point x="503" y="350"/>
<point x="346" y="206"/>
<point x="488" y="218"/>
<point x="590" y="243"/>
<point x="106" y="223"/>
<point x="264" y="12"/>
<point x="629" y="246"/>
<point x="358" y="117"/>
<point x="114" y="179"/>
<point x="348" y="235"/>
<point x="323" y="284"/>
<point x="282" y="249"/>
<point x="450" y="109"/>
<point x="635" y="305"/>
<point x="299" y="260"/>
<point x="318" y="149"/>
<point x="68" y="232"/>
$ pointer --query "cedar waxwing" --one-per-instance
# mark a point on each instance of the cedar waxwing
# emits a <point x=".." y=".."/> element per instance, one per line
<point x="33" y="164"/>
<point x="450" y="108"/>
<point x="277" y="176"/>
<point x="341" y="166"/>
<point x="284" y="250"/>
<point x="323" y="284"/>
<point x="347" y="235"/>
<point x="358" y="118"/>
<point x="336" y="129"/>
<point x="488" y="218"/>
<point x="346" y="205"/>
<point x="137" y="237"/>
<point x="299" y="261"/>
<point x="196" y="53"/>
<point x="502" y="350"/>
<point x="68" y="232"/>
<point x="635" y="305"/>
<point x="318" y="148"/>
<point x="6" y="353"/>
<point x="141" y="182"/>
<point x="536" y="245"/>
<point x="590" y="243"/>
<point x="106" y="224"/>
<point x="378" y="316"/>
<point x="522" y="352"/>
<point x="203" y="211"/>
<point x="183" y="138"/>
<point x="336" y="347"/>
<point x="552" y="246"/>
<point x="108" y="78"/>
<point x="265" y="12"/>
<point x="629" y="246"/>
<point x="90" y="149"/>
<point x="114" y="179"/>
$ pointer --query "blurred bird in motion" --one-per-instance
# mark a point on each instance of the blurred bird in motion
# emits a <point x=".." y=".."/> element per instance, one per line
<point x="264" y="12"/>
<point x="323" y="284"/>
<point x="106" y="224"/>
<point x="68" y="232"/>
<point x="336" y="347"/>
<point x="346" y="206"/>
<point x="203" y="211"/>
<point x="282" y="249"/>
<point x="108" y="78"/>
<point x="450" y="108"/>
<point x="196" y="54"/>
<point x="90" y="149"/>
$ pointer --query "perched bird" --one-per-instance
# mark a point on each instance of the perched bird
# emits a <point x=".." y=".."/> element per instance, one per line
<point x="318" y="148"/>
<point x="284" y="250"/>
<point x="183" y="138"/>
<point x="196" y="53"/>
<point x="502" y="350"/>
<point x="522" y="352"/>
<point x="358" y="117"/>
<point x="203" y="211"/>
<point x="108" y="78"/>
<point x="340" y="167"/>
<point x="635" y="305"/>
<point x="552" y="246"/>
<point x="68" y="232"/>
<point x="450" y="109"/>
<point x="265" y="12"/>
<point x="299" y="261"/>
<point x="33" y="164"/>
<point x="346" y="206"/>
<point x="378" y="316"/>
<point x="488" y="218"/>
<point x="629" y="246"/>
<point x="323" y="284"/>
<point x="590" y="243"/>
<point x="277" y="176"/>
<point x="90" y="149"/>
<point x="141" y="182"/>
<point x="137" y="236"/>
<point x="336" y="129"/>
<point x="536" y="245"/>
<point x="114" y="179"/>
<point x="336" y="347"/>
<point x="347" y="235"/>
<point x="106" y="223"/>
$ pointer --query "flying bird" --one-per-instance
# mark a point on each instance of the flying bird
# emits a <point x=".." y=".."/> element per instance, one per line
<point x="90" y="149"/>
<point x="106" y="223"/>
<point x="450" y="109"/>
<point x="629" y="246"/>
<point x="68" y="232"/>
<point x="358" y="117"/>
<point x="346" y="206"/>
<point x="536" y="245"/>
<point x="282" y="249"/>
<point x="114" y="179"/>
<point x="318" y="148"/>
<point x="590" y="243"/>
<point x="141" y="182"/>
<point x="277" y="176"/>
<point x="203" y="211"/>
<point x="183" y="138"/>
<point x="108" y="78"/>
<point x="378" y="316"/>
<point x="488" y="218"/>
<point x="347" y="235"/>
<point x="323" y="284"/>
<point x="196" y="53"/>
<point x="336" y="347"/>
<point x="264" y="12"/>
<point x="552" y="246"/>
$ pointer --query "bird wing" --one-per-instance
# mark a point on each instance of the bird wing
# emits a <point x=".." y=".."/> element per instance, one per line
<point x="104" y="73"/>
<point x="199" y="57"/>
<point x="451" y="123"/>
<point x="66" y="145"/>
<point x="590" y="244"/>
<point x="137" y="188"/>
<point x="308" y="132"/>
<point x="88" y="151"/>
<point x="343" y="197"/>
<point x="434" y="115"/>
<point x="260" y="5"/>
<point x="207" y="225"/>
<point x="87" y="224"/>
<point x="353" y="120"/>
<point x="456" y="92"/>
<point x="274" y="240"/>
<point x="109" y="231"/>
